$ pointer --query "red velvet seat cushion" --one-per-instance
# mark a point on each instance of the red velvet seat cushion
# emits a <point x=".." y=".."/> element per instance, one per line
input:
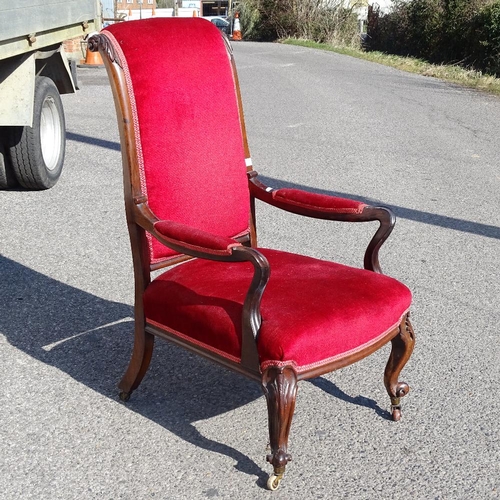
<point x="313" y="311"/>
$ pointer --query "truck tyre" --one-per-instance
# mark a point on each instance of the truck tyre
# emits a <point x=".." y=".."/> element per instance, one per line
<point x="37" y="153"/>
<point x="7" y="177"/>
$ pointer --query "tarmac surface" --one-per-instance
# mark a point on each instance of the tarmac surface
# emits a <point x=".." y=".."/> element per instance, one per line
<point x="331" y="123"/>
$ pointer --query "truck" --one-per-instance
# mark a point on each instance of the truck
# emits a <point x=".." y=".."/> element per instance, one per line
<point x="34" y="72"/>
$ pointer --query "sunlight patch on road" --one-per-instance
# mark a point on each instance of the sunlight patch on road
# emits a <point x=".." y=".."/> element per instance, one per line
<point x="49" y="347"/>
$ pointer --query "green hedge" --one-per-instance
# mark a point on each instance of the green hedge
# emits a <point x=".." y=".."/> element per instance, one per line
<point x="465" y="32"/>
<point x="317" y="20"/>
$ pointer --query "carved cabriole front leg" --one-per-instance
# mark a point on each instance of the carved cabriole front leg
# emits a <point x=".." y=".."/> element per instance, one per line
<point x="280" y="388"/>
<point x="402" y="347"/>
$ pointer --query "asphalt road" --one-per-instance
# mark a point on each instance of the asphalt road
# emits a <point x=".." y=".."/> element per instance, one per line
<point x="338" y="125"/>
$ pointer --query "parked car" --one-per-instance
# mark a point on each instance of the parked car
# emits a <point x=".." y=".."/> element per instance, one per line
<point x="223" y="24"/>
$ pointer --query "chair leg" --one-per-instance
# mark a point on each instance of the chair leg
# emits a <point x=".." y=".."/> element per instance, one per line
<point x="280" y="389"/>
<point x="139" y="362"/>
<point x="402" y="347"/>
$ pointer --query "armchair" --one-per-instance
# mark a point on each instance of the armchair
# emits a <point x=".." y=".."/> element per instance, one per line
<point x="190" y="192"/>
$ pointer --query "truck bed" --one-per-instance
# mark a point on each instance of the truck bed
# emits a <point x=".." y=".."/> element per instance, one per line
<point x="27" y="25"/>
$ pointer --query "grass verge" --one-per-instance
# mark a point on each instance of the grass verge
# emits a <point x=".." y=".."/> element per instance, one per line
<point x="454" y="74"/>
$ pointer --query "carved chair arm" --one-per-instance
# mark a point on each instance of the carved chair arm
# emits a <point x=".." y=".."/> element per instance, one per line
<point x="201" y="244"/>
<point x="320" y="206"/>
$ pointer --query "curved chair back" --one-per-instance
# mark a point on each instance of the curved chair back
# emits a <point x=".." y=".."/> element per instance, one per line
<point x="188" y="151"/>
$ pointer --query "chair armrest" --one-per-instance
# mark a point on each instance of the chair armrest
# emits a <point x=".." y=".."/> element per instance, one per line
<point x="202" y="244"/>
<point x="320" y="206"/>
<point x="181" y="237"/>
<point x="313" y="202"/>
<point x="193" y="239"/>
<point x="197" y="243"/>
<point x="301" y="202"/>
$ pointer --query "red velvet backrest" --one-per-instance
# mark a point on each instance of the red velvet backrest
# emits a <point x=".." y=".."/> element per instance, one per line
<point x="188" y="135"/>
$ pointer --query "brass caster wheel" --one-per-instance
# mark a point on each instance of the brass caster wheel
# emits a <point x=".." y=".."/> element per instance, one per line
<point x="273" y="483"/>
<point x="396" y="410"/>
<point x="124" y="396"/>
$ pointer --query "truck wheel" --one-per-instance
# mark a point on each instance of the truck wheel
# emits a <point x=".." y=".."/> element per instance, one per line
<point x="37" y="153"/>
<point x="7" y="177"/>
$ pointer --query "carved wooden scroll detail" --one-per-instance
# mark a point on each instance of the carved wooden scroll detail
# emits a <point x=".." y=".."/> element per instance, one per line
<point x="402" y="347"/>
<point x="280" y="388"/>
<point x="102" y="41"/>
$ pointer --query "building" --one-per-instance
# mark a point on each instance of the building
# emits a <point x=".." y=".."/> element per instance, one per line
<point x="135" y="4"/>
<point x="215" y="7"/>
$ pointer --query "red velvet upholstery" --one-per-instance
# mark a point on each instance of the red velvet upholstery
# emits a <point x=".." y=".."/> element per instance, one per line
<point x="315" y="201"/>
<point x="189" y="138"/>
<point x="345" y="309"/>
<point x="195" y="239"/>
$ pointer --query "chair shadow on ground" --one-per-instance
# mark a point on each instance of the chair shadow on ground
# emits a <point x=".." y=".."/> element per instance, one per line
<point x="90" y="339"/>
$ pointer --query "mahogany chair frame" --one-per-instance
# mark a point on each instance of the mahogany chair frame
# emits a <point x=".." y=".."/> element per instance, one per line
<point x="279" y="383"/>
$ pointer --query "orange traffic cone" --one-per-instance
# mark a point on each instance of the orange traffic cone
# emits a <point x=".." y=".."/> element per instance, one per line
<point x="236" y="27"/>
<point x="92" y="60"/>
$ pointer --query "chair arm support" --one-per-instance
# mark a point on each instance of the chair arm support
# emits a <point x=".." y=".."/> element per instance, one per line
<point x="252" y="318"/>
<point x="201" y="244"/>
<point x="320" y="206"/>
<point x="387" y="220"/>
